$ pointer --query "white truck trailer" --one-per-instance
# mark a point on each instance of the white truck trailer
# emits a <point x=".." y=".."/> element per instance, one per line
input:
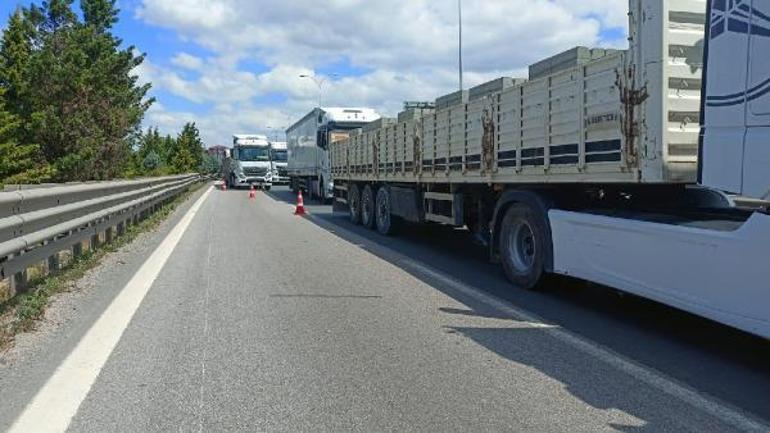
<point x="603" y="165"/>
<point x="308" y="142"/>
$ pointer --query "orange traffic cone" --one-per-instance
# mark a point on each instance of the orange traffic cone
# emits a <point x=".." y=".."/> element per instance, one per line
<point x="300" y="205"/>
<point x="252" y="193"/>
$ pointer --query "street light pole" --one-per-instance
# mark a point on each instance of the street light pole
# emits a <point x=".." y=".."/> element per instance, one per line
<point x="319" y="81"/>
<point x="460" y="45"/>
<point x="276" y="131"/>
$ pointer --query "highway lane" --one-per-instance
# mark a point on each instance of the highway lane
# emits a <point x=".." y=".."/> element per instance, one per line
<point x="728" y="364"/>
<point x="262" y="321"/>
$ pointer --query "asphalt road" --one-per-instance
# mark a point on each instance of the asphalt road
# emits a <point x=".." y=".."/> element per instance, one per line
<point x="263" y="321"/>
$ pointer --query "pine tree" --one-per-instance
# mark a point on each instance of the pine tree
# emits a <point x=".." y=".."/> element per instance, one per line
<point x="153" y="151"/>
<point x="100" y="14"/>
<point x="57" y="14"/>
<point x="193" y="138"/>
<point x="167" y="149"/>
<point x="15" y="54"/>
<point x="19" y="163"/>
<point x="86" y="102"/>
<point x="186" y="156"/>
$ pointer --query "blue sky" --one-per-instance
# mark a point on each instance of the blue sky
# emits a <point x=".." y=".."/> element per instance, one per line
<point x="234" y="65"/>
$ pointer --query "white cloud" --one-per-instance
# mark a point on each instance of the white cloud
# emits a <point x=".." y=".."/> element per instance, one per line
<point x="204" y="14"/>
<point x="187" y="61"/>
<point x="408" y="47"/>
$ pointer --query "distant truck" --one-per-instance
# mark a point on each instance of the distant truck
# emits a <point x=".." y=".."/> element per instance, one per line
<point x="647" y="169"/>
<point x="250" y="162"/>
<point x="280" y="158"/>
<point x="308" y="145"/>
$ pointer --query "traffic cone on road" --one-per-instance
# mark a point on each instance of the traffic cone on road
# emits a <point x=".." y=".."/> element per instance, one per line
<point x="252" y="193"/>
<point x="300" y="205"/>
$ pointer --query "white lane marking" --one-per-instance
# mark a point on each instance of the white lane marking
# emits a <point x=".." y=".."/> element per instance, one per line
<point x="721" y="411"/>
<point x="58" y="400"/>
<point x="205" y="335"/>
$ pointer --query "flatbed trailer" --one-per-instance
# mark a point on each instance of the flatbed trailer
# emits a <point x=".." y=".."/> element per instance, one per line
<point x="603" y="165"/>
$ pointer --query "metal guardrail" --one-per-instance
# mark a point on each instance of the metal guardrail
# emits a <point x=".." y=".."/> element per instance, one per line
<point x="37" y="224"/>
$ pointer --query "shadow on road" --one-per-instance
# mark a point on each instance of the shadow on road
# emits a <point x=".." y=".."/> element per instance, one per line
<point x="583" y="376"/>
<point x="729" y="364"/>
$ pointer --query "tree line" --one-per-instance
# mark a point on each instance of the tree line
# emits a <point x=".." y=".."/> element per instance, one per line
<point x="71" y="106"/>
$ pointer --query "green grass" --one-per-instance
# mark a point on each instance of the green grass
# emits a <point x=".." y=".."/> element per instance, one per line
<point x="22" y="312"/>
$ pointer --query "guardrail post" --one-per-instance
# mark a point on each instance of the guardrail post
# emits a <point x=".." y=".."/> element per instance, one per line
<point x="121" y="228"/>
<point x="77" y="250"/>
<point x="19" y="282"/>
<point x="53" y="263"/>
<point x="108" y="235"/>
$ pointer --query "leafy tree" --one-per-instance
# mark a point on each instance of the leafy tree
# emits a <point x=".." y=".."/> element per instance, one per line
<point x="85" y="102"/>
<point x="67" y="85"/>
<point x="18" y="162"/>
<point x="151" y="162"/>
<point x="169" y="144"/>
<point x="210" y="164"/>
<point x="187" y="156"/>
<point x="153" y="152"/>
<point x="150" y="142"/>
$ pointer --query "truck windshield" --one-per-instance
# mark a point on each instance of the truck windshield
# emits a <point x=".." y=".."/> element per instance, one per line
<point x="280" y="156"/>
<point x="253" y="154"/>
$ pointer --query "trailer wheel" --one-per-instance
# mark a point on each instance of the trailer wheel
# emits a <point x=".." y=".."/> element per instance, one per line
<point x="385" y="223"/>
<point x="523" y="242"/>
<point x="367" y="207"/>
<point x="354" y="203"/>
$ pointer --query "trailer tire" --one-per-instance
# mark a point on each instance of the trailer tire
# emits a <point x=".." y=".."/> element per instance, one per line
<point x="367" y="207"/>
<point x="354" y="203"/>
<point x="524" y="242"/>
<point x="383" y="212"/>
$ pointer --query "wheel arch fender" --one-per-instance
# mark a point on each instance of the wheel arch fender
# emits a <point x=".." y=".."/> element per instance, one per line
<point x="540" y="203"/>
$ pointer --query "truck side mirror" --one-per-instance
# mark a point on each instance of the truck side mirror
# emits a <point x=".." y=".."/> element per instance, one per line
<point x="321" y="141"/>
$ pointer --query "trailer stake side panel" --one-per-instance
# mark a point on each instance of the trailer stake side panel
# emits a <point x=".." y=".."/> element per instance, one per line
<point x="622" y="117"/>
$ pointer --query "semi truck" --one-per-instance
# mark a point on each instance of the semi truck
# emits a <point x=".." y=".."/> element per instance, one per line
<point x="308" y="144"/>
<point x="280" y="158"/>
<point x="645" y="169"/>
<point x="250" y="162"/>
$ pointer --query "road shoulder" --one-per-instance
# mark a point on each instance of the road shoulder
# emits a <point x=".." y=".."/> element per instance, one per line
<point x="34" y="357"/>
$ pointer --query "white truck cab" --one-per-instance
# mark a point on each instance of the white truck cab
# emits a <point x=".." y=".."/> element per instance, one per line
<point x="711" y="262"/>
<point x="280" y="157"/>
<point x="735" y="149"/>
<point x="250" y="162"/>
